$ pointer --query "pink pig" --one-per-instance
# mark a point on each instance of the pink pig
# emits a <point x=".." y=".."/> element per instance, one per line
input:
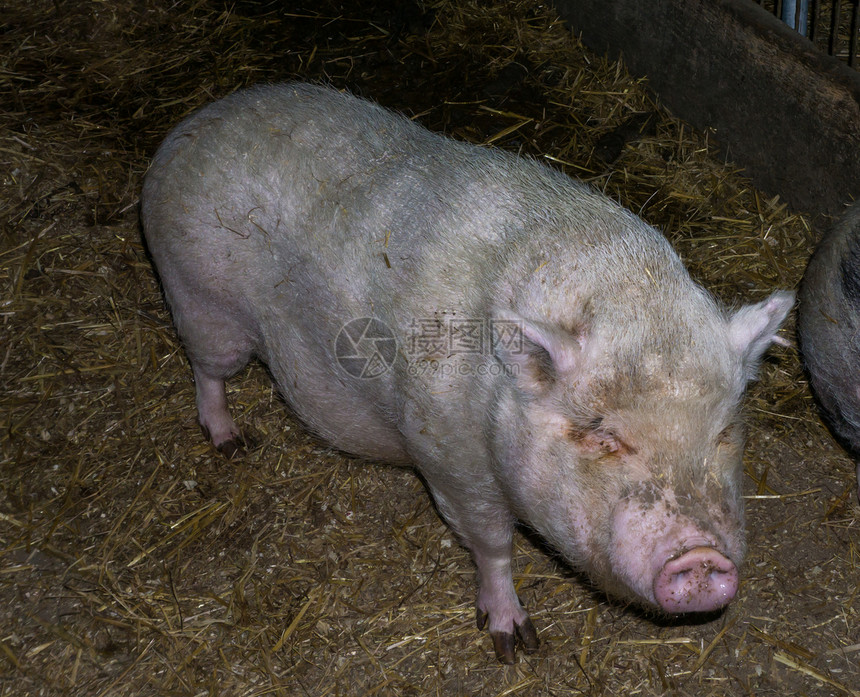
<point x="537" y="352"/>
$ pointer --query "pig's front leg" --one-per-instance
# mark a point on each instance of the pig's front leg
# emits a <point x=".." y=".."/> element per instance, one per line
<point x="485" y="527"/>
<point x="498" y="601"/>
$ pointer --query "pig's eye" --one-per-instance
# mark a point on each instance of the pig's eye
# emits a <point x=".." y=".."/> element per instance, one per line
<point x="598" y="441"/>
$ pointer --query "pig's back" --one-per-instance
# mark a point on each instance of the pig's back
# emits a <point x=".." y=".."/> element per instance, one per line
<point x="302" y="182"/>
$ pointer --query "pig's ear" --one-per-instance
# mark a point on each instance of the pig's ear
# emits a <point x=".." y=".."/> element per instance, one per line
<point x="752" y="329"/>
<point x="534" y="353"/>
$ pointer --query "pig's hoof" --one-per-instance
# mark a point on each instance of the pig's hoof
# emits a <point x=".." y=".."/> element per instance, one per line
<point x="232" y="449"/>
<point x="505" y="643"/>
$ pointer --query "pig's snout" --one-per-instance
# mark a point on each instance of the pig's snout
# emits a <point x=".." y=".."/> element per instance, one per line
<point x="699" y="580"/>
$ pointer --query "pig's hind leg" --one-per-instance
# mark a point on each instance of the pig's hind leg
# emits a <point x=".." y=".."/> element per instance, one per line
<point x="212" y="410"/>
<point x="218" y="345"/>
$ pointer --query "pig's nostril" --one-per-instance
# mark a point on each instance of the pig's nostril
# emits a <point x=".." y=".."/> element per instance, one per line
<point x="699" y="580"/>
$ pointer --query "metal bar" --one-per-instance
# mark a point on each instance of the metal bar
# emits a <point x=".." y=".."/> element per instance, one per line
<point x="834" y="28"/>
<point x="794" y="14"/>
<point x="816" y="18"/>
<point x="855" y="34"/>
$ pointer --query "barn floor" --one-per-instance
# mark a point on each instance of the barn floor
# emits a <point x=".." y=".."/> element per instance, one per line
<point x="135" y="560"/>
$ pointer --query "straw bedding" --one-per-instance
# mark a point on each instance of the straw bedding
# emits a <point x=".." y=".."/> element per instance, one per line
<point x="135" y="560"/>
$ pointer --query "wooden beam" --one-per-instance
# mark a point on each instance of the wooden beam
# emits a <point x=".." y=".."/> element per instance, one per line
<point x="786" y="112"/>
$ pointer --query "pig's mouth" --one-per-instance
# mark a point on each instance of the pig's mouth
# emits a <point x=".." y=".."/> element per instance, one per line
<point x="700" y="579"/>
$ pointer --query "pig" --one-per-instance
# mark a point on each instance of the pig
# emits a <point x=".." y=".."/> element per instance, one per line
<point x="828" y="322"/>
<point x="596" y="401"/>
